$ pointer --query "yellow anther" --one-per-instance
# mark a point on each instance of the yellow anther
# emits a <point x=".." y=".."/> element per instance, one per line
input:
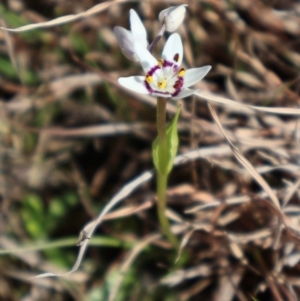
<point x="162" y="84"/>
<point x="160" y="63"/>
<point x="181" y="72"/>
<point x="149" y="79"/>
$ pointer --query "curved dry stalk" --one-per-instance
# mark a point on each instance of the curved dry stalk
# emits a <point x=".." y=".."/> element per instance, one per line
<point x="259" y="179"/>
<point x="66" y="19"/>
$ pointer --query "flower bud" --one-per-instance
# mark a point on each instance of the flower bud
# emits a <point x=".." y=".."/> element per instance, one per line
<point x="172" y="17"/>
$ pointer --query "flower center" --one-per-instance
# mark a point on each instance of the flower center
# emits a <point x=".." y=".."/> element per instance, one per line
<point x="165" y="77"/>
<point x="162" y="84"/>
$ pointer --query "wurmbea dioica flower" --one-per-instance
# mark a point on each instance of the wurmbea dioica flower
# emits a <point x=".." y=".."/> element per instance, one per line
<point x="127" y="38"/>
<point x="172" y="17"/>
<point x="165" y="77"/>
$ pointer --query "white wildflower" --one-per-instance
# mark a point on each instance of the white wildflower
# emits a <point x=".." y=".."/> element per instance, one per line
<point x="164" y="78"/>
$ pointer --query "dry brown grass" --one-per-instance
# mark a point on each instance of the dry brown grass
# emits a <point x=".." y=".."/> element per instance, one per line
<point x="69" y="126"/>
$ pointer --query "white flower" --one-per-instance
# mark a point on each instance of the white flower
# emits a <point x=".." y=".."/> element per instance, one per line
<point x="164" y="78"/>
<point x="172" y="17"/>
<point x="127" y="38"/>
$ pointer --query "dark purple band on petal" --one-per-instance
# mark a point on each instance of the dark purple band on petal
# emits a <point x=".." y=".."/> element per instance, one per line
<point x="168" y="64"/>
<point x="178" y="84"/>
<point x="148" y="86"/>
<point x="176" y="93"/>
<point x="153" y="69"/>
<point x="162" y="93"/>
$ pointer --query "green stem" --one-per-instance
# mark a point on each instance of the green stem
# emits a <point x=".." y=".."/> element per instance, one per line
<point x="161" y="127"/>
<point x="162" y="177"/>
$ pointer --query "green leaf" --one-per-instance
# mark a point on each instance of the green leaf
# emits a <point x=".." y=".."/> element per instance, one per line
<point x="7" y="69"/>
<point x="79" y="44"/>
<point x="155" y="155"/>
<point x="165" y="166"/>
<point x="172" y="139"/>
<point x="33" y="216"/>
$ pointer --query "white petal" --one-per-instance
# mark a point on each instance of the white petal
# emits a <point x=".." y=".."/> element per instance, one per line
<point x="125" y="40"/>
<point x="146" y="59"/>
<point x="192" y="76"/>
<point x="173" y="47"/>
<point x="138" y="29"/>
<point x="172" y="17"/>
<point x="134" y="83"/>
<point x="185" y="93"/>
<point x="160" y="95"/>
